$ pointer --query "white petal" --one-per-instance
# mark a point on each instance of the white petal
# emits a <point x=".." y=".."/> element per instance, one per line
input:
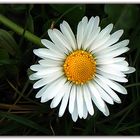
<point x="112" y="77"/>
<point x="64" y="101"/>
<point x="85" y="111"/>
<point x="98" y="43"/>
<point x="110" y="70"/>
<point x="56" y="100"/>
<point x="88" y="29"/>
<point x="124" y="63"/>
<point x="80" y="31"/>
<point x="35" y="77"/>
<point x="97" y="98"/>
<point x="40" y="83"/>
<point x="118" y="45"/>
<point x="115" y="47"/>
<point x="66" y="30"/>
<point x="50" y="62"/>
<point x="45" y="53"/>
<point x="106" y="30"/>
<point x="79" y="101"/>
<point x="72" y="98"/>
<point x="47" y="79"/>
<point x="41" y="91"/>
<point x="104" y="95"/>
<point x="62" y="39"/>
<point x="37" y="67"/>
<point x="131" y="70"/>
<point x="106" y="111"/>
<point x="109" y="61"/>
<point x="113" y="39"/>
<point x="50" y="45"/>
<point x="56" y="41"/>
<point x="116" y="52"/>
<point x="53" y="89"/>
<point x="108" y="90"/>
<point x="75" y="113"/>
<point x="113" y="84"/>
<point x="79" y="35"/>
<point x="85" y="21"/>
<point x="49" y="70"/>
<point x="122" y="43"/>
<point x="87" y="99"/>
<point x="116" y="67"/>
<point x="92" y="38"/>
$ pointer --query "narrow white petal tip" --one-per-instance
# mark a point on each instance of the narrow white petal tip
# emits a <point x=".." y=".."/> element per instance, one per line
<point x="38" y="84"/>
<point x="42" y="41"/>
<point x="131" y="70"/>
<point x="60" y="115"/>
<point x="49" y="30"/>
<point x="127" y="41"/>
<point x="84" y="18"/>
<point x="32" y="67"/>
<point x="80" y="116"/>
<point x="97" y="18"/>
<point x="31" y="77"/>
<point x="111" y="25"/>
<point x="74" y="119"/>
<point x="34" y="86"/>
<point x="36" y="96"/>
<point x="91" y="113"/>
<point x="51" y="105"/>
<point x="118" y="33"/>
<point x="42" y="101"/>
<point x="35" y="51"/>
<point x="106" y="113"/>
<point x="121" y="31"/>
<point x="111" y="102"/>
<point x="119" y="101"/>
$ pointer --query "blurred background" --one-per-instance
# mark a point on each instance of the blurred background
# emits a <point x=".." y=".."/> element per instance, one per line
<point x="21" y="113"/>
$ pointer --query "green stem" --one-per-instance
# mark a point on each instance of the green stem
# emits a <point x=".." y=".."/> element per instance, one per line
<point x="132" y="85"/>
<point x="19" y="30"/>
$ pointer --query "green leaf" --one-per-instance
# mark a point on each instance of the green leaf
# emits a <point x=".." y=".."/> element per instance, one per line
<point x="4" y="57"/>
<point x="61" y="7"/>
<point x="30" y="23"/>
<point x="25" y="121"/>
<point x="2" y="9"/>
<point x="135" y="38"/>
<point x="47" y="25"/>
<point x="3" y="54"/>
<point x="72" y="13"/>
<point x="123" y="16"/>
<point x="7" y="42"/>
<point x="129" y="127"/>
<point x="18" y="8"/>
<point x="2" y="71"/>
<point x="6" y="130"/>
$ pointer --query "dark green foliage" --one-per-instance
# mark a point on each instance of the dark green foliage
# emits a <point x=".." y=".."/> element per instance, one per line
<point x="21" y="113"/>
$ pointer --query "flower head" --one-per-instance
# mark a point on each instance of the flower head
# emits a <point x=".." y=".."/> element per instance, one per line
<point x="81" y="72"/>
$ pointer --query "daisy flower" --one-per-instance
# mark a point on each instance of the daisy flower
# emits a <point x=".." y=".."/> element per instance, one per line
<point x="83" y="71"/>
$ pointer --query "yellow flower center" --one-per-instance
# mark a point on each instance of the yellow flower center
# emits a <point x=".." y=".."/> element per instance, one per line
<point x="79" y="67"/>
